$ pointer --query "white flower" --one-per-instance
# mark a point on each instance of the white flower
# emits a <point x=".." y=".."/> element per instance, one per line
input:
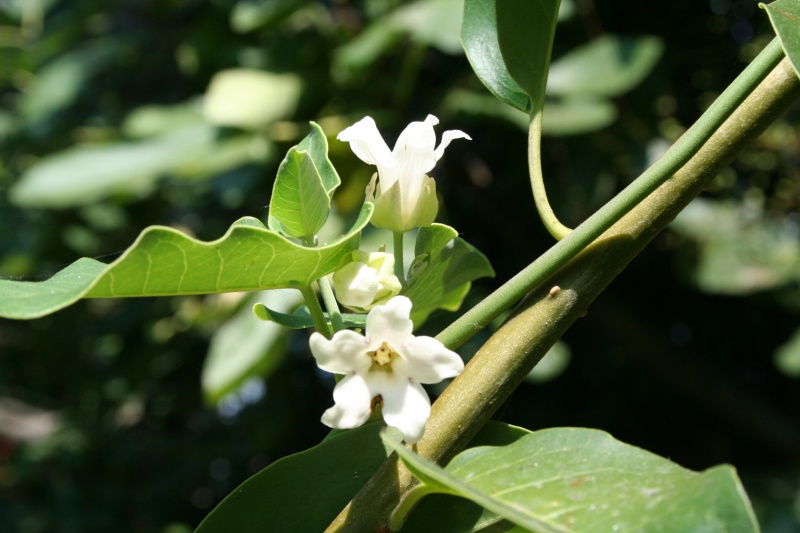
<point x="405" y="197"/>
<point x="384" y="367"/>
<point x="367" y="281"/>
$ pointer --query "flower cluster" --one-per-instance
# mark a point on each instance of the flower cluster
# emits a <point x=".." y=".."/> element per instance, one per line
<point x="385" y="366"/>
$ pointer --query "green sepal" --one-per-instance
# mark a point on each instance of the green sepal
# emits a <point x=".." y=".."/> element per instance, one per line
<point x="391" y="214"/>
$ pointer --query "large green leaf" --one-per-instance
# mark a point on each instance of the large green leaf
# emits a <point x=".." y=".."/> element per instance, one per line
<point x="299" y="204"/>
<point x="607" y="66"/>
<point x="440" y="275"/>
<point x="305" y="491"/>
<point x="525" y="32"/>
<point x="479" y="36"/>
<point x="785" y="18"/>
<point x="583" y="480"/>
<point x="166" y="262"/>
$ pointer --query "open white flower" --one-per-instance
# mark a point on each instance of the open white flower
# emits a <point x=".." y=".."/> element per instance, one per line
<point x="367" y="281"/>
<point x="405" y="196"/>
<point x="386" y="366"/>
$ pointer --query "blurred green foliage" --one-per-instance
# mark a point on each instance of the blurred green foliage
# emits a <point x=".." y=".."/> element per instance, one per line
<point x="119" y="114"/>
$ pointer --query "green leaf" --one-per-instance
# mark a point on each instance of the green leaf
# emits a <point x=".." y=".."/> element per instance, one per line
<point x="299" y="203"/>
<point x="250" y="99"/>
<point x="83" y="175"/>
<point x="166" y="262"/>
<point x="785" y="18"/>
<point x="447" y="263"/>
<point x="525" y="32"/>
<point x="607" y="66"/>
<point x="302" y="492"/>
<point x="573" y="116"/>
<point x="428" y="22"/>
<point x="739" y="250"/>
<point x="60" y="81"/>
<point x="301" y="319"/>
<point x="450" y="514"/>
<point x="249" y="15"/>
<point x="316" y="144"/>
<point x="305" y="491"/>
<point x="479" y="36"/>
<point x="244" y="347"/>
<point x="583" y="480"/>
<point x="787" y="356"/>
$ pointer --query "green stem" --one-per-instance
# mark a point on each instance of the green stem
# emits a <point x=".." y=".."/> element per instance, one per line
<point x="514" y="289"/>
<point x="399" y="267"/>
<point x="315" y="309"/>
<point x="549" y="219"/>
<point x="507" y="357"/>
<point x="331" y="305"/>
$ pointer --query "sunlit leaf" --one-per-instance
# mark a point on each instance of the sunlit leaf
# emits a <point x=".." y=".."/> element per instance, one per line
<point x="479" y="35"/>
<point x="83" y="175"/>
<point x="244" y="346"/>
<point x="582" y="480"/>
<point x="166" y="262"/>
<point x="299" y="202"/>
<point x="739" y="250"/>
<point x="445" y="264"/>
<point x="573" y="116"/>
<point x="316" y="144"/>
<point x="607" y="66"/>
<point x="250" y="99"/>
<point x="433" y="22"/>
<point x="150" y="120"/>
<point x="785" y="18"/>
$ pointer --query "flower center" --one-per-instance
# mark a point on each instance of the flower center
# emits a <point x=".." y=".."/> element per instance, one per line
<point x="382" y="358"/>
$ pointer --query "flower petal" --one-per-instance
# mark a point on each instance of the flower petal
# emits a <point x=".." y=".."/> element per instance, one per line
<point x="426" y="360"/>
<point x="345" y="352"/>
<point x="447" y="137"/>
<point x="407" y="407"/>
<point x="413" y="155"/>
<point x="353" y="399"/>
<point x="390" y="323"/>
<point x="366" y="142"/>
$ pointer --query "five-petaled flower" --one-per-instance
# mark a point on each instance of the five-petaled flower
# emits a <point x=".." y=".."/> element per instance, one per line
<point x="404" y="197"/>
<point x="385" y="366"/>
